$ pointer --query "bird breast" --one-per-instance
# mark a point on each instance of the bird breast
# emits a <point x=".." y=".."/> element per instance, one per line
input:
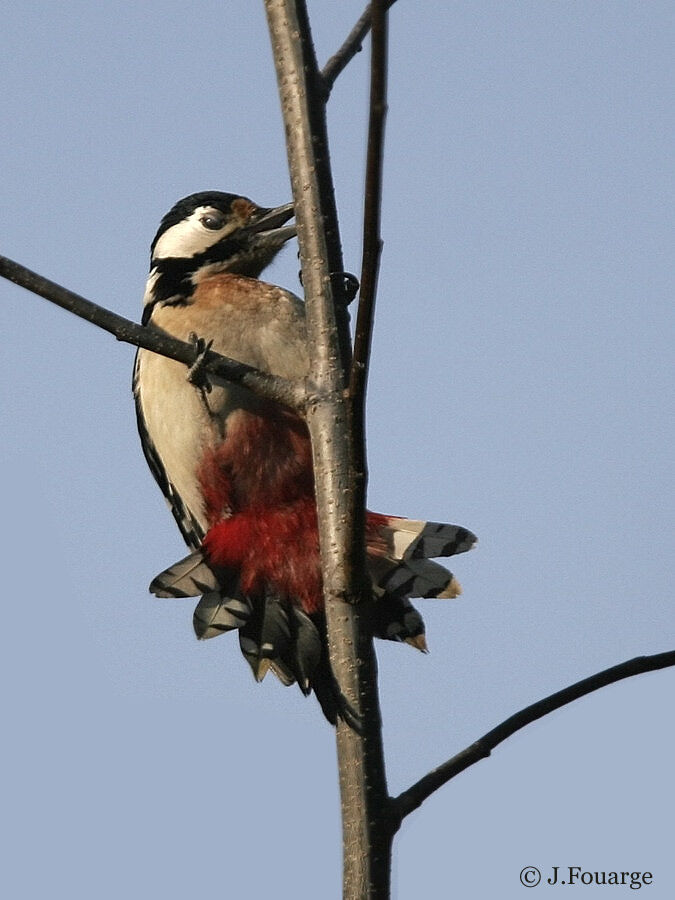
<point x="252" y="322"/>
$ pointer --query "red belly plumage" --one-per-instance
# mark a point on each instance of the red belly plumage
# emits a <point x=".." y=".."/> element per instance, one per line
<point x="258" y="491"/>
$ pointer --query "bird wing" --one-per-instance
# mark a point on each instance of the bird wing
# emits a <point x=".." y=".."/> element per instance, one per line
<point x="187" y="522"/>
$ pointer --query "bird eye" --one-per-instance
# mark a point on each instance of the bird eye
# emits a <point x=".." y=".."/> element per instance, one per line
<point x="214" y="221"/>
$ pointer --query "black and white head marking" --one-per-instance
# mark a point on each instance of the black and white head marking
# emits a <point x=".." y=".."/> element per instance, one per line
<point x="198" y="222"/>
<point x="215" y="232"/>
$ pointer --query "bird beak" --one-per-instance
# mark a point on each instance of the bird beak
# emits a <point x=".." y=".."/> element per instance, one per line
<point x="269" y="229"/>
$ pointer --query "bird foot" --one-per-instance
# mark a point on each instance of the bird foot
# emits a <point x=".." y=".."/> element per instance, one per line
<point x="197" y="373"/>
<point x="348" y="284"/>
<point x="345" y="286"/>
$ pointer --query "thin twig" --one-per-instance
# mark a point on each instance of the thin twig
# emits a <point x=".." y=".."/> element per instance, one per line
<point x="272" y="388"/>
<point x="370" y="261"/>
<point x="350" y="47"/>
<point x="414" y="796"/>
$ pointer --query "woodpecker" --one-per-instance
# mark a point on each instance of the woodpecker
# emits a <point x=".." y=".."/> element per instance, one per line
<point x="236" y="469"/>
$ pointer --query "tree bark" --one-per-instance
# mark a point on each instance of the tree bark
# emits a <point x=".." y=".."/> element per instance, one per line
<point x="364" y="799"/>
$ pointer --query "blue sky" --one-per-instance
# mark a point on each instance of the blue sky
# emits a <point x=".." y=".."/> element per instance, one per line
<point x="519" y="387"/>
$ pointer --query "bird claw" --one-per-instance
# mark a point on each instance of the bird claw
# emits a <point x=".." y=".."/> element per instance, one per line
<point x="345" y="285"/>
<point x="349" y="284"/>
<point x="197" y="373"/>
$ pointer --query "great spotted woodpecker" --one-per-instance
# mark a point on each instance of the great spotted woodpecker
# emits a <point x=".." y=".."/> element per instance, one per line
<point x="236" y="470"/>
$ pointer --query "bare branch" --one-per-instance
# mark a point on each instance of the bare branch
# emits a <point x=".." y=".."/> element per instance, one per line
<point x="366" y="842"/>
<point x="372" y="249"/>
<point x="414" y="796"/>
<point x="350" y="47"/>
<point x="277" y="389"/>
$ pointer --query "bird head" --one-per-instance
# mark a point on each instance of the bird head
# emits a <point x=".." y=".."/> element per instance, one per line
<point x="215" y="232"/>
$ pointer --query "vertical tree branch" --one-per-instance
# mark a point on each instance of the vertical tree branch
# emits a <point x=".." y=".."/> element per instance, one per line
<point x="372" y="249"/>
<point x="365" y="803"/>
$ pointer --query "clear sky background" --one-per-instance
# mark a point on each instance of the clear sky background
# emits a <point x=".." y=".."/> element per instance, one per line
<point x="519" y="387"/>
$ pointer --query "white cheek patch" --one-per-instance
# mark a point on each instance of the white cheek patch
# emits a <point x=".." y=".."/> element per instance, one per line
<point x="190" y="237"/>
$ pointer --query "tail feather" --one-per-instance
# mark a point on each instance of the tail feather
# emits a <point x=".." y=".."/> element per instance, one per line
<point x="326" y="690"/>
<point x="189" y="577"/>
<point x="398" y="620"/>
<point x="284" y="674"/>
<point x="265" y="638"/>
<point x="288" y="638"/>
<point x="412" y="578"/>
<point x="306" y="648"/>
<point x="276" y="634"/>
<point x="217" y="613"/>
<point x="412" y="539"/>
